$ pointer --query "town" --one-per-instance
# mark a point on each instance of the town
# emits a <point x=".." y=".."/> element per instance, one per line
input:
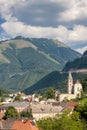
<point x="34" y="107"/>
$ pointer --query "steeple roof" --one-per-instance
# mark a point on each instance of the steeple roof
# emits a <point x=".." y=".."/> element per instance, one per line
<point x="70" y="75"/>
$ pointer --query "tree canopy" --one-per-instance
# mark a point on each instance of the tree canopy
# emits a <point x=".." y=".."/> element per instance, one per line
<point x="27" y="113"/>
<point x="50" y="93"/>
<point x="82" y="110"/>
<point x="18" y="98"/>
<point x="11" y="112"/>
<point x="61" y="122"/>
<point x="84" y="84"/>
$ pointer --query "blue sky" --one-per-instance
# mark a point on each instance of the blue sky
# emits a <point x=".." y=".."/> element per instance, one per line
<point x="65" y="20"/>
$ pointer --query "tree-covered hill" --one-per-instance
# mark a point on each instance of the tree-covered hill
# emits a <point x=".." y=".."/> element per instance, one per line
<point x="79" y="63"/>
<point x="55" y="79"/>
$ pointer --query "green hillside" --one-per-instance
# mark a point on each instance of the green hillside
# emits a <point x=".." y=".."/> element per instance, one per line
<point x="79" y="63"/>
<point x="55" y="79"/>
<point x="24" y="61"/>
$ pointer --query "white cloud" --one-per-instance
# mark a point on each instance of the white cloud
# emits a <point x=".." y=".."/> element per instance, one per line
<point x="73" y="10"/>
<point x="82" y="50"/>
<point x="76" y="10"/>
<point x="5" y="8"/>
<point x="15" y="28"/>
<point x="78" y="33"/>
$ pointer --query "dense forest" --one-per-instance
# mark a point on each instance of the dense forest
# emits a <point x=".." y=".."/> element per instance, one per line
<point x="78" y="63"/>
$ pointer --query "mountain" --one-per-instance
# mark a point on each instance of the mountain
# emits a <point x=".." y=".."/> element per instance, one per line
<point x="77" y="64"/>
<point x="55" y="79"/>
<point x="3" y="91"/>
<point x="85" y="54"/>
<point x="24" y="61"/>
<point x="81" y="47"/>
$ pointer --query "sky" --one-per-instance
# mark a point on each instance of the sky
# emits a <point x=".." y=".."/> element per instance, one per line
<point x="65" y="20"/>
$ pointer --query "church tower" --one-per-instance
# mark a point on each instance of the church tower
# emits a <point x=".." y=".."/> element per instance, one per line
<point x="77" y="89"/>
<point x="70" y="83"/>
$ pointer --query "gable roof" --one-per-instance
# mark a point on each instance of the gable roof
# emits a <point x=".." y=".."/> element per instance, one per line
<point x="18" y="124"/>
<point x="71" y="105"/>
<point x="15" y="104"/>
<point x="24" y="125"/>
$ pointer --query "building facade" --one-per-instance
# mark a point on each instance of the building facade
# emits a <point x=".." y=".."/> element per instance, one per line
<point x="73" y="90"/>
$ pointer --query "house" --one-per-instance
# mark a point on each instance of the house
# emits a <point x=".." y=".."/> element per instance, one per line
<point x="51" y="101"/>
<point x="7" y="100"/>
<point x="18" y="124"/>
<point x="40" y="110"/>
<point x="20" y="106"/>
<point x="71" y="105"/>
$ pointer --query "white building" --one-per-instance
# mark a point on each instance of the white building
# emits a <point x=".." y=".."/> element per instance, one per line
<point x="40" y="110"/>
<point x="73" y="90"/>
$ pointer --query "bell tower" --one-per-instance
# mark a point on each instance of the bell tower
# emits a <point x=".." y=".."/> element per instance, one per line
<point x="70" y="84"/>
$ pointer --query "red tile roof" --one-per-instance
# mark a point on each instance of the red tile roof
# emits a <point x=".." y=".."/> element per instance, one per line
<point x="71" y="105"/>
<point x="24" y="125"/>
<point x="18" y="124"/>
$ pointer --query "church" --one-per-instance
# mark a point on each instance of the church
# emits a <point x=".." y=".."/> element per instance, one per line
<point x="73" y="90"/>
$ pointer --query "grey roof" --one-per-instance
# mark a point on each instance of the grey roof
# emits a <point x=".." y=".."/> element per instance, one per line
<point x="6" y="124"/>
<point x="15" y="104"/>
<point x="45" y="108"/>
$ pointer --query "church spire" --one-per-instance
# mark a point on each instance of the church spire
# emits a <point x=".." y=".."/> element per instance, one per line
<point x="70" y="83"/>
